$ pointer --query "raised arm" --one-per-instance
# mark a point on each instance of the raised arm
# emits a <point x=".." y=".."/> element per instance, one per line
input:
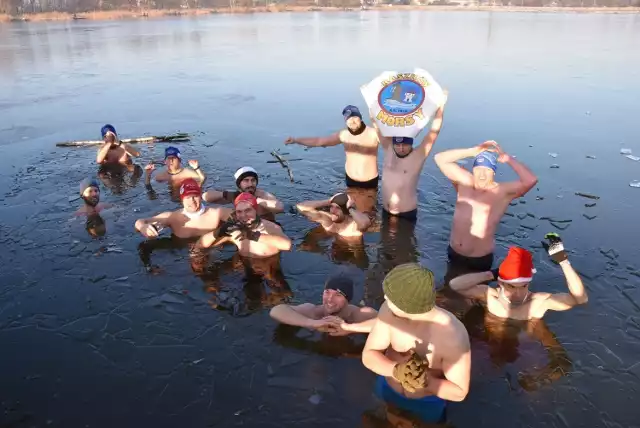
<point x="102" y="152"/>
<point x="473" y="285"/>
<point x="577" y="294"/>
<point x="373" y="355"/>
<point x="331" y="140"/>
<point x="218" y="197"/>
<point x="526" y="178"/>
<point x="456" y="366"/>
<point x="436" y="125"/>
<point x="195" y="165"/>
<point x="310" y="210"/>
<point x="446" y="161"/>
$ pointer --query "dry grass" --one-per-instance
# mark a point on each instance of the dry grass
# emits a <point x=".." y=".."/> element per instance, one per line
<point x="154" y="13"/>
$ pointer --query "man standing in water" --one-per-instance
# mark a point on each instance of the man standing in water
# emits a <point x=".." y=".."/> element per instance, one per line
<point x="402" y="167"/>
<point x="90" y="194"/>
<point x="481" y="203"/>
<point x="175" y="173"/>
<point x="343" y="219"/>
<point x="193" y="220"/>
<point x="513" y="299"/>
<point x="112" y="150"/>
<point x="247" y="181"/>
<point x="420" y="351"/>
<point x="360" y="145"/>
<point x="253" y="236"/>
<point x="335" y="315"/>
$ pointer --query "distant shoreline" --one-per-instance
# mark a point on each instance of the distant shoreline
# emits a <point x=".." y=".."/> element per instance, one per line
<point x="159" y="13"/>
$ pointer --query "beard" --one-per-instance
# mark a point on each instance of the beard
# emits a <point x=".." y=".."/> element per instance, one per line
<point x="92" y="202"/>
<point x="358" y="131"/>
<point x="403" y="156"/>
<point x="250" y="189"/>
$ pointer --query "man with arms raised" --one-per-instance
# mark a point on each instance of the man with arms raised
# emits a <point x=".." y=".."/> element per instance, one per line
<point x="253" y="236"/>
<point x="481" y="202"/>
<point x="193" y="220"/>
<point x="360" y="145"/>
<point x="247" y="181"/>
<point x="175" y="173"/>
<point x="420" y="351"/>
<point x="335" y="315"/>
<point x="343" y="218"/>
<point x="512" y="298"/>
<point x="402" y="167"/>
<point x="112" y="150"/>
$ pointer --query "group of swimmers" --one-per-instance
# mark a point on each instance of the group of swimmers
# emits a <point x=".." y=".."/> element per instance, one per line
<point x="419" y="350"/>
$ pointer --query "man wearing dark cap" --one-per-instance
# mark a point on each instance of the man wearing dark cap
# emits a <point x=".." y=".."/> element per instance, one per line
<point x="193" y="220"/>
<point x="343" y="219"/>
<point x="420" y="351"/>
<point x="402" y="167"/>
<point x="175" y="173"/>
<point x="247" y="179"/>
<point x="112" y="150"/>
<point x="90" y="194"/>
<point x="360" y="146"/>
<point x="335" y="315"/>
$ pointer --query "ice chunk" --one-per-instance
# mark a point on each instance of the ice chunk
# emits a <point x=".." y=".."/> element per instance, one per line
<point x="635" y="183"/>
<point x="632" y="157"/>
<point x="553" y="155"/>
<point x="625" y="151"/>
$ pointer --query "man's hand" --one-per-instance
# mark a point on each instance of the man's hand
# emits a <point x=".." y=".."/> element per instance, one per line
<point x="289" y="140"/>
<point x="555" y="247"/>
<point x="488" y="145"/>
<point x="327" y="324"/>
<point x="341" y="330"/>
<point x="194" y="164"/>
<point x="148" y="231"/>
<point x="413" y="374"/>
<point x="237" y="234"/>
<point x="149" y="167"/>
<point x="350" y="202"/>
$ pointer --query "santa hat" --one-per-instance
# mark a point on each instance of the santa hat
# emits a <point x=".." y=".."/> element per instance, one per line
<point x="517" y="267"/>
<point x="246" y="197"/>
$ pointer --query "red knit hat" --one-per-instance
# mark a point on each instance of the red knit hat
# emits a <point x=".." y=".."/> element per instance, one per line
<point x="246" y="197"/>
<point x="517" y="267"/>
<point x="190" y="187"/>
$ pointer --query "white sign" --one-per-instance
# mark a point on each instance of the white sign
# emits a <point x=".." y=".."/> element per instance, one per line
<point x="402" y="104"/>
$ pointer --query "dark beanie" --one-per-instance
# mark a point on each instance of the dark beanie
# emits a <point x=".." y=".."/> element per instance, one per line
<point x="342" y="285"/>
<point x="410" y="287"/>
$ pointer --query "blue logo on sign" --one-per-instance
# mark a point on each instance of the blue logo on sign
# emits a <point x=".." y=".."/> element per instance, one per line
<point x="401" y="97"/>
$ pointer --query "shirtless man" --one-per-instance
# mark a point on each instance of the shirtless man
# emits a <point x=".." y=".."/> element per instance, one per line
<point x="343" y="219"/>
<point x="411" y="326"/>
<point x="194" y="220"/>
<point x="513" y="299"/>
<point x="253" y="236"/>
<point x="175" y="173"/>
<point x="360" y="146"/>
<point x="247" y="181"/>
<point x="402" y="167"/>
<point x="112" y="150"/>
<point x="335" y="315"/>
<point x="481" y="203"/>
<point x="90" y="194"/>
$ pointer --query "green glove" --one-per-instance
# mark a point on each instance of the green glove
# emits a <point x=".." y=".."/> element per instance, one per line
<point x="555" y="248"/>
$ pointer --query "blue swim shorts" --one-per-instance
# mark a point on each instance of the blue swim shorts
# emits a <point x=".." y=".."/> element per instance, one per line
<point x="430" y="409"/>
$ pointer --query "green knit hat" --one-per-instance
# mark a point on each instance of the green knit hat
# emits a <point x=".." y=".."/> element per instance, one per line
<point x="410" y="287"/>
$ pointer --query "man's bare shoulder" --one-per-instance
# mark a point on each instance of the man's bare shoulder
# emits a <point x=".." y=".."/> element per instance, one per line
<point x="457" y="336"/>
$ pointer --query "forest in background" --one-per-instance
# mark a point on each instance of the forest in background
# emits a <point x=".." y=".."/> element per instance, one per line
<point x="26" y="7"/>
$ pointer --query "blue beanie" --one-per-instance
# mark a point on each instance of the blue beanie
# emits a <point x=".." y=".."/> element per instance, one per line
<point x="487" y="159"/>
<point x="108" y="128"/>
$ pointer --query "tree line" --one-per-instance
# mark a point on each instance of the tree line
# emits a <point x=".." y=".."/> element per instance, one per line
<point x="21" y="7"/>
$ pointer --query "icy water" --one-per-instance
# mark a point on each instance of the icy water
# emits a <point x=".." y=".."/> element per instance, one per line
<point x="89" y="339"/>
